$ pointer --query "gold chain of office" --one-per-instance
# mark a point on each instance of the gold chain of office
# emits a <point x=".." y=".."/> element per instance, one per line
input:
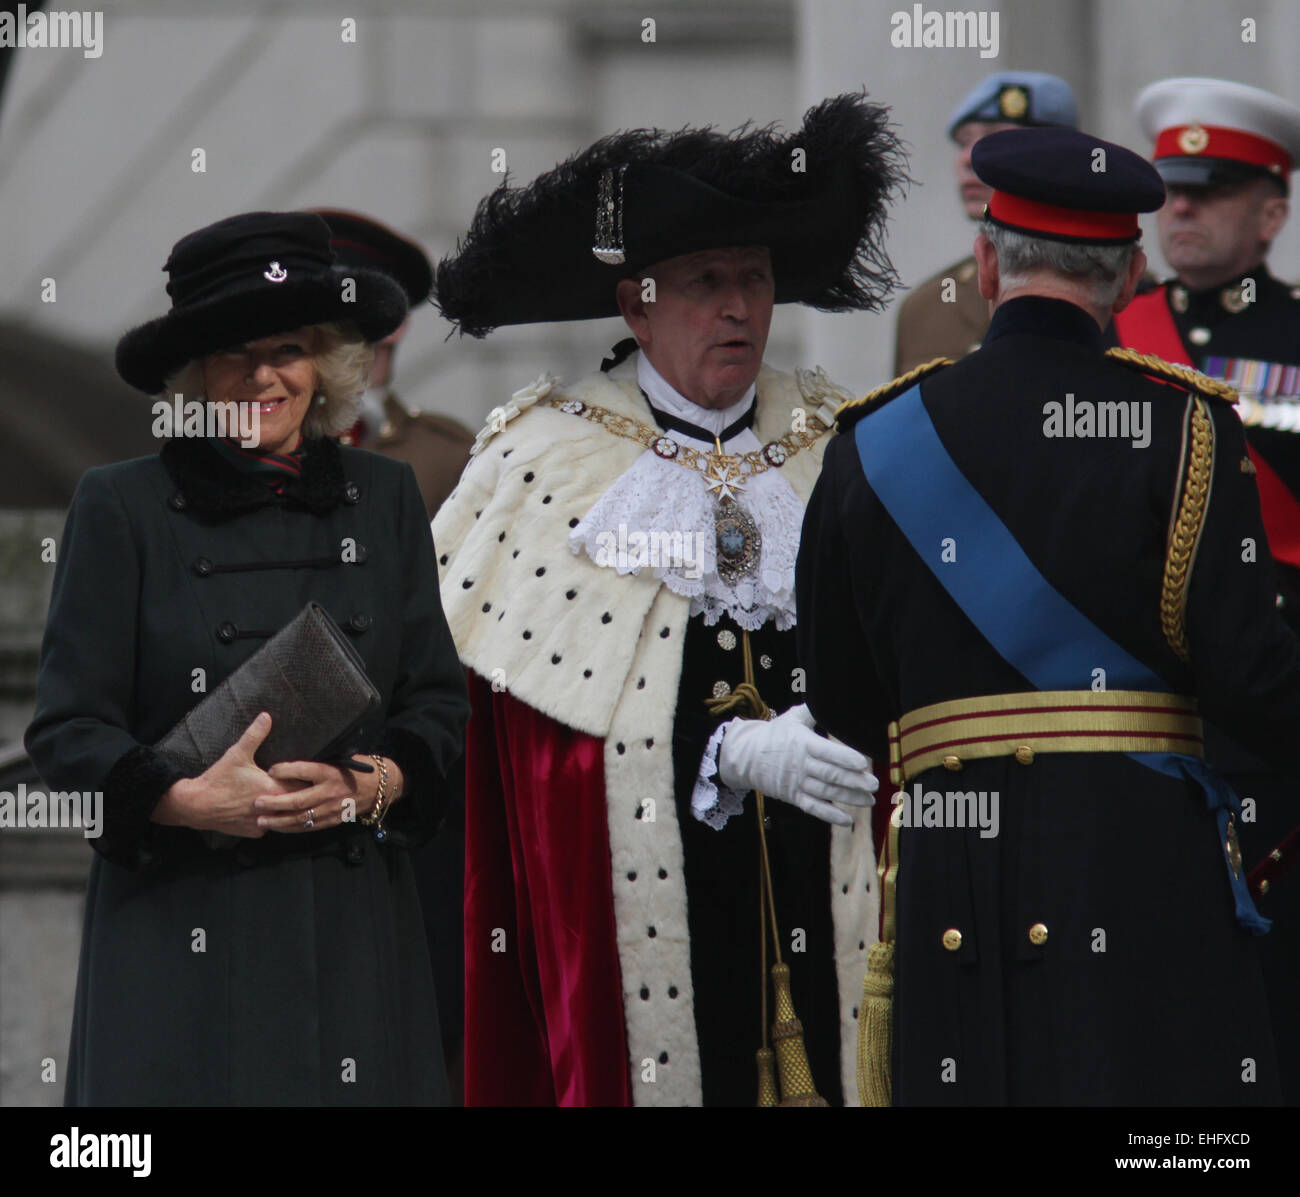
<point x="772" y="455"/>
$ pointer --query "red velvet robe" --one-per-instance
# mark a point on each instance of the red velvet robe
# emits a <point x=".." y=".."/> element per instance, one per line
<point x="543" y="992"/>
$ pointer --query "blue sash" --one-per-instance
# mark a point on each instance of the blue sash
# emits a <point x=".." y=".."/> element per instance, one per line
<point x="1034" y="627"/>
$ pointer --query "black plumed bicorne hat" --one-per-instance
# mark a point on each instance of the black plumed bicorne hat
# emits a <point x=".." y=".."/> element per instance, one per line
<point x="816" y="198"/>
<point x="251" y="276"/>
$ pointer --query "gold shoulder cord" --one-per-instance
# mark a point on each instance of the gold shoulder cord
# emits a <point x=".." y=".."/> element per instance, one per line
<point x="1148" y="363"/>
<point x="1185" y="534"/>
<point x="1192" y="490"/>
<point x="892" y="388"/>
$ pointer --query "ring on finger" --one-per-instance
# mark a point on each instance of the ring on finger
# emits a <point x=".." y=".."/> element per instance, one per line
<point x="309" y="819"/>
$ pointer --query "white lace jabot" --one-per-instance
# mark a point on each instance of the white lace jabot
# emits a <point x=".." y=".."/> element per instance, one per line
<point x="660" y="515"/>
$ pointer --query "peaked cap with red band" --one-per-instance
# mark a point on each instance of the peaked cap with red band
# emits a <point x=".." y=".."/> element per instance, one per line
<point x="1209" y="131"/>
<point x="363" y="243"/>
<point x="1065" y="185"/>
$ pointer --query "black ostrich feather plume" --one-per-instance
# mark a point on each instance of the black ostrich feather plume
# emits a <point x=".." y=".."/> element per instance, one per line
<point x="817" y="197"/>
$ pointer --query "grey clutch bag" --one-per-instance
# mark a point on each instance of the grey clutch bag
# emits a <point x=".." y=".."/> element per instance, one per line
<point x="309" y="679"/>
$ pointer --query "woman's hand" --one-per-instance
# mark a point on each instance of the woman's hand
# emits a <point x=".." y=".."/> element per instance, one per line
<point x="222" y="797"/>
<point x="330" y="796"/>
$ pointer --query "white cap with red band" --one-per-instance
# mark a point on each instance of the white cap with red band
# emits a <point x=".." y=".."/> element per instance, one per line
<point x="1215" y="131"/>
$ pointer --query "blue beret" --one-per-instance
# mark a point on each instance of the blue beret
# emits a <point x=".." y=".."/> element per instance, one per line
<point x="1066" y="185"/>
<point x="1018" y="98"/>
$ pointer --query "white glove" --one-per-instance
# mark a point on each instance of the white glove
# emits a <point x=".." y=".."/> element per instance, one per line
<point x="786" y="759"/>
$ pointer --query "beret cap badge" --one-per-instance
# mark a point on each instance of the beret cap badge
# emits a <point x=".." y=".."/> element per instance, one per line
<point x="275" y="273"/>
<point x="1013" y="102"/>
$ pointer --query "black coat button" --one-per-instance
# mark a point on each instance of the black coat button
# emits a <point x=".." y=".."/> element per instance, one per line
<point x="202" y="566"/>
<point x="356" y="854"/>
<point x="352" y="493"/>
<point x="360" y="622"/>
<point x="226" y="632"/>
<point x="177" y="502"/>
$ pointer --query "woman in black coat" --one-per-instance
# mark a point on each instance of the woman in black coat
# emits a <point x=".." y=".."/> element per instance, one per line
<point x="289" y="965"/>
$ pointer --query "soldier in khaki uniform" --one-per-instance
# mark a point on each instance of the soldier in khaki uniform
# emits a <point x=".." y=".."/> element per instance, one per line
<point x="437" y="447"/>
<point x="945" y="316"/>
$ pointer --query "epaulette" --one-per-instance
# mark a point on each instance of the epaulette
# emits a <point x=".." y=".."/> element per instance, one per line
<point x="1184" y="376"/>
<point x="847" y="414"/>
<point x="520" y="401"/>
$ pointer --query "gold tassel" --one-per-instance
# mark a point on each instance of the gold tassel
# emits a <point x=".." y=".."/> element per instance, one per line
<point x="876" y="1008"/>
<point x="767" y="1092"/>
<point x="791" y="1055"/>
<point x="876" y="1027"/>
<point x="797" y="1088"/>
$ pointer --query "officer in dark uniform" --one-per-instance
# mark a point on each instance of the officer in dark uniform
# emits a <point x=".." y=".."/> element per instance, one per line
<point x="1064" y="888"/>
<point x="1226" y="152"/>
<point x="436" y="446"/>
<point x="946" y="316"/>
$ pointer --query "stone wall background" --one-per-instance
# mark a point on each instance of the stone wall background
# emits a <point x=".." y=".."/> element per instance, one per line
<point x="96" y="184"/>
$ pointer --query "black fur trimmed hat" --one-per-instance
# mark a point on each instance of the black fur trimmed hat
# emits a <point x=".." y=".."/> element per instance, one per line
<point x="251" y="276"/>
<point x="816" y="198"/>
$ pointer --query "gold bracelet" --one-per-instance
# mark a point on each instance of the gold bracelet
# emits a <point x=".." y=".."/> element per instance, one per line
<point x="375" y="818"/>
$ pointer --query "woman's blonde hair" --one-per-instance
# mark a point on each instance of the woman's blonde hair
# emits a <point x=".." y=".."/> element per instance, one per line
<point x="342" y="359"/>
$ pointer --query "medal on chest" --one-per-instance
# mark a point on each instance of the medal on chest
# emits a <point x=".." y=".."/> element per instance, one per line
<point x="739" y="542"/>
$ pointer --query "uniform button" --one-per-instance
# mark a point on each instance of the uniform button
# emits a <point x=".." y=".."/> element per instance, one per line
<point x="1038" y="934"/>
<point x="1280" y="601"/>
<point x="952" y="763"/>
<point x="202" y="567"/>
<point x="177" y="502"/>
<point x="727" y="639"/>
<point x="1264" y="887"/>
<point x="352" y="493"/>
<point x="952" y="939"/>
<point x="1199" y="336"/>
<point x="226" y="632"/>
<point x="721" y="689"/>
<point x="1025" y="754"/>
<point x="360" y="622"/>
<point x="765" y="661"/>
<point x="356" y="853"/>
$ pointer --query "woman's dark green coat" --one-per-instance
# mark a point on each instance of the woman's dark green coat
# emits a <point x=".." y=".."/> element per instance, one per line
<point x="290" y="969"/>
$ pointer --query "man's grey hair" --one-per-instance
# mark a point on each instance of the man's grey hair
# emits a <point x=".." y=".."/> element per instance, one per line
<point x="1101" y="268"/>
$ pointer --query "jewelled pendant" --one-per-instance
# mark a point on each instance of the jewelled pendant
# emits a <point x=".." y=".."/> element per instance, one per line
<point x="739" y="541"/>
